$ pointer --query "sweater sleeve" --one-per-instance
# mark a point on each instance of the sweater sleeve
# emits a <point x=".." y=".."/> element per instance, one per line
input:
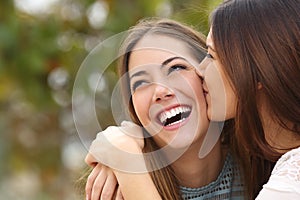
<point x="284" y="182"/>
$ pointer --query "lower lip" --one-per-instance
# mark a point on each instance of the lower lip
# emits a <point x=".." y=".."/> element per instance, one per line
<point x="177" y="125"/>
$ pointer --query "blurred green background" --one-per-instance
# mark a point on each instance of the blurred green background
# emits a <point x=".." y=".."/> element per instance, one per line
<point x="42" y="46"/>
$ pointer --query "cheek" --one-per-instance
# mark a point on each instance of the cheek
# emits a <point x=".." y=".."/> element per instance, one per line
<point x="193" y="88"/>
<point x="231" y="102"/>
<point x="197" y="90"/>
<point x="217" y="97"/>
<point x="231" y="99"/>
<point x="141" y="106"/>
<point x="223" y="99"/>
<point x="214" y="81"/>
<point x="190" y="83"/>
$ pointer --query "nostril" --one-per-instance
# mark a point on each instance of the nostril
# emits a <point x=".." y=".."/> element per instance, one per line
<point x="162" y="92"/>
<point x="167" y="96"/>
<point x="161" y="97"/>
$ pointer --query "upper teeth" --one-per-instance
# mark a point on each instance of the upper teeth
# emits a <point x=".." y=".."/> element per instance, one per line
<point x="172" y="112"/>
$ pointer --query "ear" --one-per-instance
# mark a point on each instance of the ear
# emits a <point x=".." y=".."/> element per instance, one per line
<point x="259" y="86"/>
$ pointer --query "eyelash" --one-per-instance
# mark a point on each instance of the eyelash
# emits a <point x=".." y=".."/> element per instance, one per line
<point x="208" y="55"/>
<point x="176" y="68"/>
<point x="137" y="84"/>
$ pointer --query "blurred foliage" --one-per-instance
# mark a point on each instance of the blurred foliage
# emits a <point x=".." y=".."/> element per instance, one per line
<point x="41" y="51"/>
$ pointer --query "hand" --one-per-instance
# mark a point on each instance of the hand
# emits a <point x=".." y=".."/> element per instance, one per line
<point x="119" y="148"/>
<point x="125" y="136"/>
<point x="102" y="184"/>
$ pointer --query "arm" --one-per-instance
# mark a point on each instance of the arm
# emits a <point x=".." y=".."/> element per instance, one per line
<point x="126" y="160"/>
<point x="137" y="186"/>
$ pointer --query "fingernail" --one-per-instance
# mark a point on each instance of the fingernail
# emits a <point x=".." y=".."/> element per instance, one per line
<point x="87" y="197"/>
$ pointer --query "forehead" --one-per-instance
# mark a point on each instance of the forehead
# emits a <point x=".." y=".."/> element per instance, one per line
<point x="154" y="49"/>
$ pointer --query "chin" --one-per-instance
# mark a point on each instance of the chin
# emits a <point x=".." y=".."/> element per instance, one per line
<point x="183" y="141"/>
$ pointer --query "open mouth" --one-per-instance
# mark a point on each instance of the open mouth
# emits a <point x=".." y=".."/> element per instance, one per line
<point x="174" y="116"/>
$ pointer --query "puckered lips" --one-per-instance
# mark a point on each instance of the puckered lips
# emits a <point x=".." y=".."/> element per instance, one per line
<point x="174" y="116"/>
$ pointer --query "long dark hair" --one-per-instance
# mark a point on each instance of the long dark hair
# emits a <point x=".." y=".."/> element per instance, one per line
<point x="258" y="42"/>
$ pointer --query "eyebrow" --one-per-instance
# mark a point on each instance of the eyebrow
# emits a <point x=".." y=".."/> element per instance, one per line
<point x="171" y="59"/>
<point x="139" y="73"/>
<point x="143" y="72"/>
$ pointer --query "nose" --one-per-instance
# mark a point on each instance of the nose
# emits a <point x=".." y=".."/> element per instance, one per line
<point x="200" y="70"/>
<point x="162" y="92"/>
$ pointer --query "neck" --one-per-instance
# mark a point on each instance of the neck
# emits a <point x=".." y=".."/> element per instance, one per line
<point x="194" y="172"/>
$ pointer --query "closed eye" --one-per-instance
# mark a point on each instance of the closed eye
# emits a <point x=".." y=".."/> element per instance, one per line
<point x="208" y="55"/>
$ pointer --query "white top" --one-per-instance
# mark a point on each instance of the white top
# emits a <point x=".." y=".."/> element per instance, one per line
<point x="284" y="182"/>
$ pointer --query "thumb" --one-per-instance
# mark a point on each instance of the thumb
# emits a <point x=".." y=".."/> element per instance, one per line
<point x="132" y="129"/>
<point x="128" y="123"/>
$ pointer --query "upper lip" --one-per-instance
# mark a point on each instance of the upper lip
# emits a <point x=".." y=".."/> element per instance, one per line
<point x="169" y="111"/>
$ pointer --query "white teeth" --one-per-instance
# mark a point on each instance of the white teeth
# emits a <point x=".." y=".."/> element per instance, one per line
<point x="173" y="112"/>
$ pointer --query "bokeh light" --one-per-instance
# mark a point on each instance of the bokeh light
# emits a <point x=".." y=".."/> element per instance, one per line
<point x="42" y="46"/>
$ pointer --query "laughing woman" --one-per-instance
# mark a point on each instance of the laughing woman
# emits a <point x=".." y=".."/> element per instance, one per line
<point x="166" y="100"/>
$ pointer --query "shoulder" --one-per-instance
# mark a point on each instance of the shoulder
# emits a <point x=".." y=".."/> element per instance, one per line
<point x="288" y="165"/>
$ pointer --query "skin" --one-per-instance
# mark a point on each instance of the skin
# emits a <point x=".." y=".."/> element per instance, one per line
<point x="162" y="87"/>
<point x="215" y="80"/>
<point x="219" y="94"/>
<point x="156" y="88"/>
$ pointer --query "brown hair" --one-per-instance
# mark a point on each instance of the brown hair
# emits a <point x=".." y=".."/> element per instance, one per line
<point x="258" y="42"/>
<point x="164" y="178"/>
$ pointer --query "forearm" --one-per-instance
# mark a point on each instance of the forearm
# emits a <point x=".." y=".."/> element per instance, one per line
<point x="134" y="184"/>
<point x="123" y="154"/>
<point x="137" y="186"/>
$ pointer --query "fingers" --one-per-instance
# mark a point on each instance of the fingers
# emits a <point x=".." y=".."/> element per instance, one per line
<point x="101" y="183"/>
<point x="129" y="124"/>
<point x="125" y="152"/>
<point x="133" y="130"/>
<point x="109" y="186"/>
<point x="91" y="181"/>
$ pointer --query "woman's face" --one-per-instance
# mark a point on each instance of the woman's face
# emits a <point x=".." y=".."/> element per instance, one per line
<point x="166" y="91"/>
<point x="220" y="97"/>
